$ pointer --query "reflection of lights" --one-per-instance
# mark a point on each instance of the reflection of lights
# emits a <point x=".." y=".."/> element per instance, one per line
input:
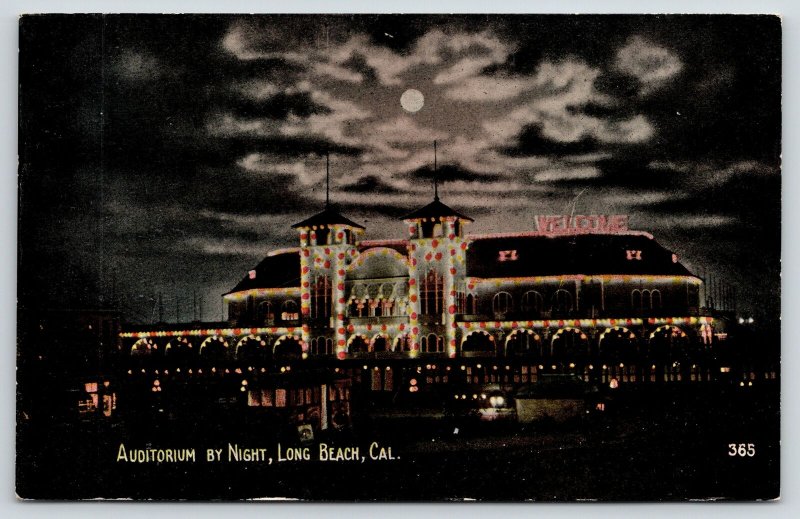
<point x="413" y="389"/>
<point x="613" y="384"/>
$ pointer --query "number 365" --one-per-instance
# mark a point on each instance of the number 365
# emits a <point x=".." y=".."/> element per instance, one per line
<point x="742" y="449"/>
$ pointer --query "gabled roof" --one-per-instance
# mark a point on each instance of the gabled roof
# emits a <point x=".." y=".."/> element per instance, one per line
<point x="434" y="210"/>
<point x="278" y="271"/>
<point x="327" y="217"/>
<point x="590" y="254"/>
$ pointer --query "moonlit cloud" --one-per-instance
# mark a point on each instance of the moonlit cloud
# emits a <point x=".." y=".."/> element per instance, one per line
<point x="216" y="133"/>
<point x="651" y="64"/>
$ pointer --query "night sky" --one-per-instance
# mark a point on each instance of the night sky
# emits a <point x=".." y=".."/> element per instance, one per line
<point x="169" y="154"/>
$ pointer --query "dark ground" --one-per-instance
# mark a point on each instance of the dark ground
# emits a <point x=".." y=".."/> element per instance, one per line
<point x="653" y="444"/>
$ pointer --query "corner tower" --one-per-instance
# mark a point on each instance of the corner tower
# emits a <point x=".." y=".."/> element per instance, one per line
<point x="327" y="245"/>
<point x="437" y="270"/>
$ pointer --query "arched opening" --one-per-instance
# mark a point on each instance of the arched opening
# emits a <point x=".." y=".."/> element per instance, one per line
<point x="379" y="343"/>
<point x="213" y="349"/>
<point x="358" y="344"/>
<point x="617" y="344"/>
<point x="287" y="348"/>
<point x="142" y="348"/>
<point x="502" y="303"/>
<point x="668" y="344"/>
<point x="179" y="350"/>
<point x="524" y="342"/>
<point x="478" y="342"/>
<point x="569" y="344"/>
<point x="251" y="348"/>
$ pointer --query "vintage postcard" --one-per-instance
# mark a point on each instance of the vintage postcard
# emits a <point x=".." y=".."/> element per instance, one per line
<point x="399" y="257"/>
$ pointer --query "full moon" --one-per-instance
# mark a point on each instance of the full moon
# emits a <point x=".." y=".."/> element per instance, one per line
<point x="412" y="100"/>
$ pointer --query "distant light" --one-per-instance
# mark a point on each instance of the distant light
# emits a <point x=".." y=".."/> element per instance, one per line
<point x="741" y="320"/>
<point x="613" y="384"/>
<point x="750" y="320"/>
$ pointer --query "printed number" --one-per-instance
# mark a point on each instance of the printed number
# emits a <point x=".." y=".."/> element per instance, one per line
<point x="742" y="449"/>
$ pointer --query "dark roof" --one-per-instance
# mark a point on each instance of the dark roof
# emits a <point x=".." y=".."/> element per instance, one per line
<point x="434" y="210"/>
<point x="279" y="271"/>
<point x="327" y="217"/>
<point x="590" y="254"/>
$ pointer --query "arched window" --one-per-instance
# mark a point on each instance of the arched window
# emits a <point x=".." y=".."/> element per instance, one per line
<point x="402" y="343"/>
<point x="655" y="299"/>
<point x="321" y="298"/>
<point x="636" y="299"/>
<point x="289" y="310"/>
<point x="432" y="293"/>
<point x="471" y="304"/>
<point x="562" y="302"/>
<point x="532" y="303"/>
<point x="502" y="303"/>
<point x="433" y="344"/>
<point x="264" y="313"/>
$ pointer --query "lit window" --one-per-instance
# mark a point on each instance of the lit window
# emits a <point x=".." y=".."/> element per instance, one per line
<point x="633" y="255"/>
<point x="507" y="255"/>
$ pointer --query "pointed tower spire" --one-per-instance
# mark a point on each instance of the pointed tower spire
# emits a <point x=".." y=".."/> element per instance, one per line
<point x="327" y="179"/>
<point x="435" y="175"/>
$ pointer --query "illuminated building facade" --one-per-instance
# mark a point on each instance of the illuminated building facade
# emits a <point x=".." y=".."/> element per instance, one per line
<point x="576" y="289"/>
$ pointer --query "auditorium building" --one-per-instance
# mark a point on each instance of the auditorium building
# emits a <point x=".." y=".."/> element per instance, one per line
<point x="575" y="289"/>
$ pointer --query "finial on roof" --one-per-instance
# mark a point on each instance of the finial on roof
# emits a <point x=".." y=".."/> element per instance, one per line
<point x="327" y="179"/>
<point x="435" y="175"/>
